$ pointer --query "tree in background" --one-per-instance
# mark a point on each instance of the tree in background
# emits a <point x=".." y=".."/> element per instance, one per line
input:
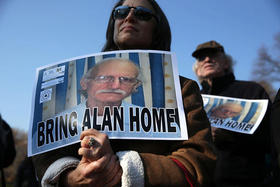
<point x="266" y="70"/>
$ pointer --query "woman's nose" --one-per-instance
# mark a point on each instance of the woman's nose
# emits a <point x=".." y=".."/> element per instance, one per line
<point x="130" y="15"/>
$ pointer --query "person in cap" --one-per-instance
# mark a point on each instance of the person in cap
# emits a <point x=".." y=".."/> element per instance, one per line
<point x="211" y="62"/>
<point x="241" y="157"/>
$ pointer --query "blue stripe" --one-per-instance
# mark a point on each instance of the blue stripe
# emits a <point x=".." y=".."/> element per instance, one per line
<point x="61" y="90"/>
<point x="137" y="98"/>
<point x="109" y="56"/>
<point x="91" y="62"/>
<point x="80" y="64"/>
<point x="157" y="76"/>
<point x="216" y="102"/>
<point x="251" y="113"/>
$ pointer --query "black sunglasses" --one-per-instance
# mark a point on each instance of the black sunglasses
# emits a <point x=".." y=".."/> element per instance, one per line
<point x="209" y="53"/>
<point x="139" y="12"/>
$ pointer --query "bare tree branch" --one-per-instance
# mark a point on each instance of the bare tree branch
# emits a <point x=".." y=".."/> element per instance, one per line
<point x="266" y="70"/>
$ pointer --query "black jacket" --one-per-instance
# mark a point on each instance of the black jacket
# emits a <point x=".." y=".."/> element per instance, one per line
<point x="241" y="157"/>
<point x="275" y="125"/>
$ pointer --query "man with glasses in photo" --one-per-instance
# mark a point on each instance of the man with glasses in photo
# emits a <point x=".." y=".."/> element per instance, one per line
<point x="226" y="110"/>
<point x="109" y="82"/>
<point x="241" y="157"/>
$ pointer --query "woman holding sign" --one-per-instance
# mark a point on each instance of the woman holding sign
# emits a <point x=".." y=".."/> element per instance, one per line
<point x="98" y="161"/>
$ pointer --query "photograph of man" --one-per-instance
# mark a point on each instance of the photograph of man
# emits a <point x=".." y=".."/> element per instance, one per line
<point x="109" y="82"/>
<point x="226" y="110"/>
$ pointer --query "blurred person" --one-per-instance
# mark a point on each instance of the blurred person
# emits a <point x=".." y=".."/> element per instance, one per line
<point x="275" y="118"/>
<point x="137" y="24"/>
<point x="8" y="150"/>
<point x="25" y="175"/>
<point x="241" y="157"/>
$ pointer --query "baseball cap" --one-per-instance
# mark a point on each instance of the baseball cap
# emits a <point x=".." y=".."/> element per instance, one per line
<point x="208" y="46"/>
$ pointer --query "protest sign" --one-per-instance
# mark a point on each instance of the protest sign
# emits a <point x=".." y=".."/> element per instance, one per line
<point x="143" y="102"/>
<point x="238" y="115"/>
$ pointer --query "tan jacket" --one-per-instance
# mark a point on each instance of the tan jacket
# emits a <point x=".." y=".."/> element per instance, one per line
<point x="196" y="155"/>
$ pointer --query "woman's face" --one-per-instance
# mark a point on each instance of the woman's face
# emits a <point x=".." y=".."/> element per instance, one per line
<point x="132" y="33"/>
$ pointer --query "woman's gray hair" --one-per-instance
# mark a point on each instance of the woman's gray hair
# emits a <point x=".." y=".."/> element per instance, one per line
<point x="228" y="59"/>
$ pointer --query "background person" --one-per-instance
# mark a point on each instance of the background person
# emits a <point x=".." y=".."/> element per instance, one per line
<point x="241" y="157"/>
<point x="137" y="24"/>
<point x="8" y="150"/>
<point x="275" y="118"/>
<point x="25" y="175"/>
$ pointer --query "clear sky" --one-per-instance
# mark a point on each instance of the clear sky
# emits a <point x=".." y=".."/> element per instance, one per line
<point x="34" y="33"/>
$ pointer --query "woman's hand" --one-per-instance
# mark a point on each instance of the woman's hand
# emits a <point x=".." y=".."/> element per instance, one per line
<point x="99" y="165"/>
<point x="100" y="147"/>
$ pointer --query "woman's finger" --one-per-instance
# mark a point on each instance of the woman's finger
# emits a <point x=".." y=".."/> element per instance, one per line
<point x="89" y="154"/>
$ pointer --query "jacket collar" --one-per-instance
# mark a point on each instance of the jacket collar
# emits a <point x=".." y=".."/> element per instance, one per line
<point x="218" y="84"/>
